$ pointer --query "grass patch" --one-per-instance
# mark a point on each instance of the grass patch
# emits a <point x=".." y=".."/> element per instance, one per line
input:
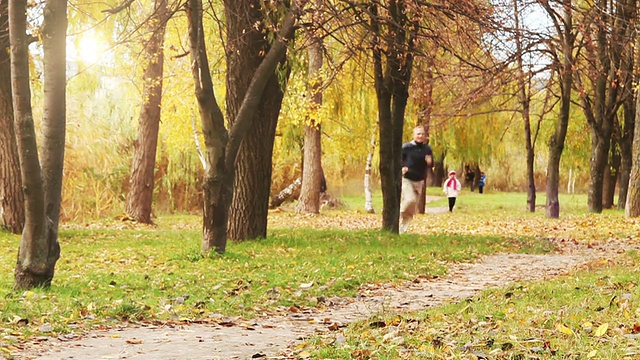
<point x="157" y="273"/>
<point x="588" y="315"/>
<point x="113" y="271"/>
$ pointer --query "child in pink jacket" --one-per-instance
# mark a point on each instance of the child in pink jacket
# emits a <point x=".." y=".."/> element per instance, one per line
<point x="451" y="188"/>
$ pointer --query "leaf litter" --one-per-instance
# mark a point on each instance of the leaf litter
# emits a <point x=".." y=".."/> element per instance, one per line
<point x="580" y="241"/>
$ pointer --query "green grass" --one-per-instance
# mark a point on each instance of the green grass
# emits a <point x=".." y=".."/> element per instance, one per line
<point x="107" y="275"/>
<point x="473" y="201"/>
<point x="112" y="271"/>
<point x="589" y="315"/>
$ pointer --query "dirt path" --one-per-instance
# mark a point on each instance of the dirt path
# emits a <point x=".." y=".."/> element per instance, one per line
<point x="271" y="337"/>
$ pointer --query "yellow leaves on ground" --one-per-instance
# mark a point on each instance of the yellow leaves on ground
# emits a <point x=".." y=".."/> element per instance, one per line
<point x="589" y="228"/>
<point x="563" y="329"/>
<point x="601" y="330"/>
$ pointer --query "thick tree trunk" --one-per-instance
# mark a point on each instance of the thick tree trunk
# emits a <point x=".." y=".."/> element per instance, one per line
<point x="216" y="185"/>
<point x="220" y="150"/>
<point x="11" y="196"/>
<point x="598" y="162"/>
<point x="141" y="183"/>
<point x="246" y="46"/>
<point x="632" y="206"/>
<point x="39" y="249"/>
<point x="556" y="143"/>
<point x="628" y="104"/>
<point x="556" y="146"/>
<point x="54" y="120"/>
<point x="626" y="146"/>
<point x="392" y="73"/>
<point x="606" y="54"/>
<point x="309" y="201"/>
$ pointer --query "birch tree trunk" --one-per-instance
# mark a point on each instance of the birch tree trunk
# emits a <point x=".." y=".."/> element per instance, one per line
<point x="368" y="194"/>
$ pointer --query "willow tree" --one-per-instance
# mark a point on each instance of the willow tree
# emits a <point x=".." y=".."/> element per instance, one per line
<point x="39" y="248"/>
<point x="222" y="145"/>
<point x="11" y="197"/>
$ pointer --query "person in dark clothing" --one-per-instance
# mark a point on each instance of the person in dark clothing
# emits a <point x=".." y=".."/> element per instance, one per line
<point x="483" y="179"/>
<point x="416" y="157"/>
<point x="471" y="175"/>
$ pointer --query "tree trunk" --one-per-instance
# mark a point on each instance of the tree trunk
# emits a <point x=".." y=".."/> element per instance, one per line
<point x="556" y="143"/>
<point x="141" y="183"/>
<point x="368" y="194"/>
<point x="286" y="193"/>
<point x="246" y="46"/>
<point x="626" y="149"/>
<point x="221" y="150"/>
<point x="425" y="93"/>
<point x="632" y="207"/>
<point x="524" y="97"/>
<point x="309" y="201"/>
<point x="611" y="172"/>
<point x="606" y="54"/>
<point x="54" y="113"/>
<point x="628" y="104"/>
<point x="216" y="185"/>
<point x="11" y="196"/>
<point x="597" y="164"/>
<point x="392" y="73"/>
<point x="39" y="249"/>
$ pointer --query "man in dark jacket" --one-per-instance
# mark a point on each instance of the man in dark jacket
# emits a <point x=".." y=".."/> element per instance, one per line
<point x="416" y="157"/>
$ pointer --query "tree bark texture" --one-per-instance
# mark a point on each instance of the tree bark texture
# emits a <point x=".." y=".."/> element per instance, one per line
<point x="216" y="183"/>
<point x="141" y="183"/>
<point x="626" y="149"/>
<point x="11" y="196"/>
<point x="601" y="104"/>
<point x="221" y="147"/>
<point x="425" y="83"/>
<point x="54" y="122"/>
<point x="39" y="249"/>
<point x="556" y="143"/>
<point x="309" y="201"/>
<point x="392" y="73"/>
<point x="632" y="207"/>
<point x="524" y="97"/>
<point x="628" y="105"/>
<point x="611" y="171"/>
<point x="247" y="44"/>
<point x="290" y="191"/>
